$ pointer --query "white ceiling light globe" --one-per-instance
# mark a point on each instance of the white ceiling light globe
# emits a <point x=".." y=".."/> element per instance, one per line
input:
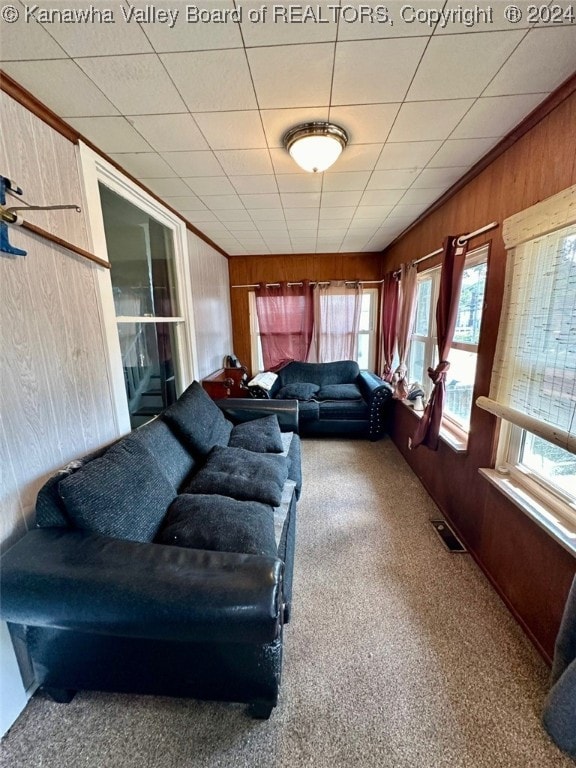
<point x="315" y="146"/>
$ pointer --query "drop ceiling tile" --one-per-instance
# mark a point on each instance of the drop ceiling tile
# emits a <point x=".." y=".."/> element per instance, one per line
<point x="186" y="203"/>
<point x="232" y="130"/>
<point x="227" y="217"/>
<point x="199" y="163"/>
<point x="391" y="179"/>
<point x="495" y="116"/>
<point x="252" y="185"/>
<point x="261" y="201"/>
<point x="300" y="182"/>
<point x="461" y="66"/>
<point x="362" y="21"/>
<point x="543" y="60"/>
<point x="144" y="165"/>
<point x="367" y="211"/>
<point x="110" y="134"/>
<point x="210" y="81"/>
<point x="292" y="75"/>
<point x="332" y="229"/>
<point x="242" y="226"/>
<point x="210" y="185"/>
<point x="100" y="38"/>
<point x="300" y="199"/>
<point x="136" y="85"/>
<point x="303" y="214"/>
<point x="357" y="157"/>
<point x="422" y="196"/>
<point x="382" y="197"/>
<point x="341" y="213"/>
<point x="80" y="97"/>
<point x="304" y="224"/>
<point x="428" y="120"/>
<point x="282" y="161"/>
<point x="199" y="217"/>
<point x="223" y="202"/>
<point x="409" y="210"/>
<point x="356" y="65"/>
<point x="215" y="228"/>
<point x="484" y="17"/>
<point x="408" y="155"/>
<point x="278" y="121"/>
<point x="265" y="215"/>
<point x="341" y="182"/>
<point x="169" y="133"/>
<point x="332" y="199"/>
<point x="245" y="162"/>
<point x="365" y="123"/>
<point x="436" y="178"/>
<point x="190" y="33"/>
<point x="461" y="152"/>
<point x="28" y="40"/>
<point x="287" y="23"/>
<point x="270" y="228"/>
<point x="167" y="187"/>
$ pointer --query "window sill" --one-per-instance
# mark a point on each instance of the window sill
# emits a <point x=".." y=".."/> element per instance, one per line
<point x="455" y="439"/>
<point x="542" y="514"/>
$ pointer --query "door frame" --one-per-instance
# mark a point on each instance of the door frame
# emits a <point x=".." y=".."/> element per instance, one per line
<point x="94" y="169"/>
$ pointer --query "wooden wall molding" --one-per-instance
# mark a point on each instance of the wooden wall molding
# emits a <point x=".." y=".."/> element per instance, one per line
<point x="40" y="110"/>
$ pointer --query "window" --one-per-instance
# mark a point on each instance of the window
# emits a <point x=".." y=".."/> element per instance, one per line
<point x="423" y="346"/>
<point x="366" y="335"/>
<point x="533" y="386"/>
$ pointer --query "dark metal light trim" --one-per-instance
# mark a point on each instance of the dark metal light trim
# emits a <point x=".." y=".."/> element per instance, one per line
<point x="318" y="128"/>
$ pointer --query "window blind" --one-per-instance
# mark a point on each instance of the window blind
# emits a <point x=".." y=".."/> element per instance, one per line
<point x="534" y="374"/>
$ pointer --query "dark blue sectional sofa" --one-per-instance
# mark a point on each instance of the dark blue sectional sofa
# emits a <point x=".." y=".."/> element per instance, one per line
<point x="163" y="564"/>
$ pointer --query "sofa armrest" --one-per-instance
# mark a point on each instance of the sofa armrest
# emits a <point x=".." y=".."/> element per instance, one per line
<point x="370" y="385"/>
<point x="241" y="409"/>
<point x="85" y="582"/>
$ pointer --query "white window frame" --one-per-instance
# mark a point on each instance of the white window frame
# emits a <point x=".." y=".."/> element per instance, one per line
<point x="94" y="170"/>
<point x="256" y="346"/>
<point x="453" y="426"/>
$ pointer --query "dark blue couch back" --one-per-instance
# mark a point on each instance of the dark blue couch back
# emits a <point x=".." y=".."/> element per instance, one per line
<point x="340" y="372"/>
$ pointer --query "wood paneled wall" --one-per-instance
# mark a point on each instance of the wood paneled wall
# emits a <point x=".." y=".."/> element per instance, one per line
<point x="249" y="270"/>
<point x="531" y="572"/>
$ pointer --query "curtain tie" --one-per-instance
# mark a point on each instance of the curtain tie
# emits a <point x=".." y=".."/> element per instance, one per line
<point x="399" y="373"/>
<point x="439" y="373"/>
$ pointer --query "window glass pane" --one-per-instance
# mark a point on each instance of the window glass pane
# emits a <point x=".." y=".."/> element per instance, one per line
<point x="142" y="259"/>
<point x="364" y="350"/>
<point x="460" y="385"/>
<point x="148" y="361"/>
<point x="422" y="321"/>
<point x="366" y="311"/>
<point x="471" y="304"/>
<point x="550" y="462"/>
<point x="417" y="365"/>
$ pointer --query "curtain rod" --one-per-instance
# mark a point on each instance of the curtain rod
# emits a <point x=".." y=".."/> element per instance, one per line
<point x="312" y="282"/>
<point x="461" y="241"/>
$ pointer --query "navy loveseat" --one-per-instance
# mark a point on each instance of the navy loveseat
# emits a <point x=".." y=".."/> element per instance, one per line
<point x="163" y="564"/>
<point x="335" y="398"/>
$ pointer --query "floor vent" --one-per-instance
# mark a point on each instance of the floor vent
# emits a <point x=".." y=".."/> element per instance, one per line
<point x="447" y="536"/>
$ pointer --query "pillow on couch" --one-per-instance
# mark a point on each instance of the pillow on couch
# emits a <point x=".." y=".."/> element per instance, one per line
<point x="299" y="390"/>
<point x="123" y="494"/>
<point x="260" y="435"/>
<point x="243" y="475"/>
<point x="197" y="418"/>
<point x="219" y="523"/>
<point x="339" y="392"/>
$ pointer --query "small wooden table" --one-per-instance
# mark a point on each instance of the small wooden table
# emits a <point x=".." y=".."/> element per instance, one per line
<point x="226" y="382"/>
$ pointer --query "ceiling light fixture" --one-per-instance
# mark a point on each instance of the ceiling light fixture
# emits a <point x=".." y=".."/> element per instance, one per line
<point x="315" y="146"/>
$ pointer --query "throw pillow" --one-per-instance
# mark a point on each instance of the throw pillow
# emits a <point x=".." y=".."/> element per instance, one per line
<point x="219" y="523"/>
<point x="297" y="391"/>
<point x="260" y="435"/>
<point x="123" y="494"/>
<point x="243" y="475"/>
<point x="197" y="418"/>
<point x="339" y="392"/>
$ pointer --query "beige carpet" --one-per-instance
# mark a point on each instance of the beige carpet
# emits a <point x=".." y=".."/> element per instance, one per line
<point x="398" y="655"/>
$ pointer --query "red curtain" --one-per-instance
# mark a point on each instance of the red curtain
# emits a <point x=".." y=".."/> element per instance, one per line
<point x="453" y="259"/>
<point x="389" y="315"/>
<point x="285" y="318"/>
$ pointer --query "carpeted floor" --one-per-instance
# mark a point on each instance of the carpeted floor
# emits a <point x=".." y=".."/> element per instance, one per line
<point x="398" y="655"/>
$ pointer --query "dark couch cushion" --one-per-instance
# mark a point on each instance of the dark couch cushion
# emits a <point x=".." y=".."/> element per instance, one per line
<point x="174" y="459"/>
<point x="297" y="390"/>
<point x="198" y="420"/>
<point x="339" y="392"/>
<point x="344" y="409"/>
<point x="260" y="435"/>
<point x="123" y="494"/>
<point x="243" y="475"/>
<point x="219" y="523"/>
<point x="339" y="372"/>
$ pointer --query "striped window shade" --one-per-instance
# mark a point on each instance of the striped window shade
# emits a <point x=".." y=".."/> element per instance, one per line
<point x="534" y="376"/>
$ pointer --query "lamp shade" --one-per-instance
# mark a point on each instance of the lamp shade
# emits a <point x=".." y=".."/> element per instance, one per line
<point x="315" y="146"/>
